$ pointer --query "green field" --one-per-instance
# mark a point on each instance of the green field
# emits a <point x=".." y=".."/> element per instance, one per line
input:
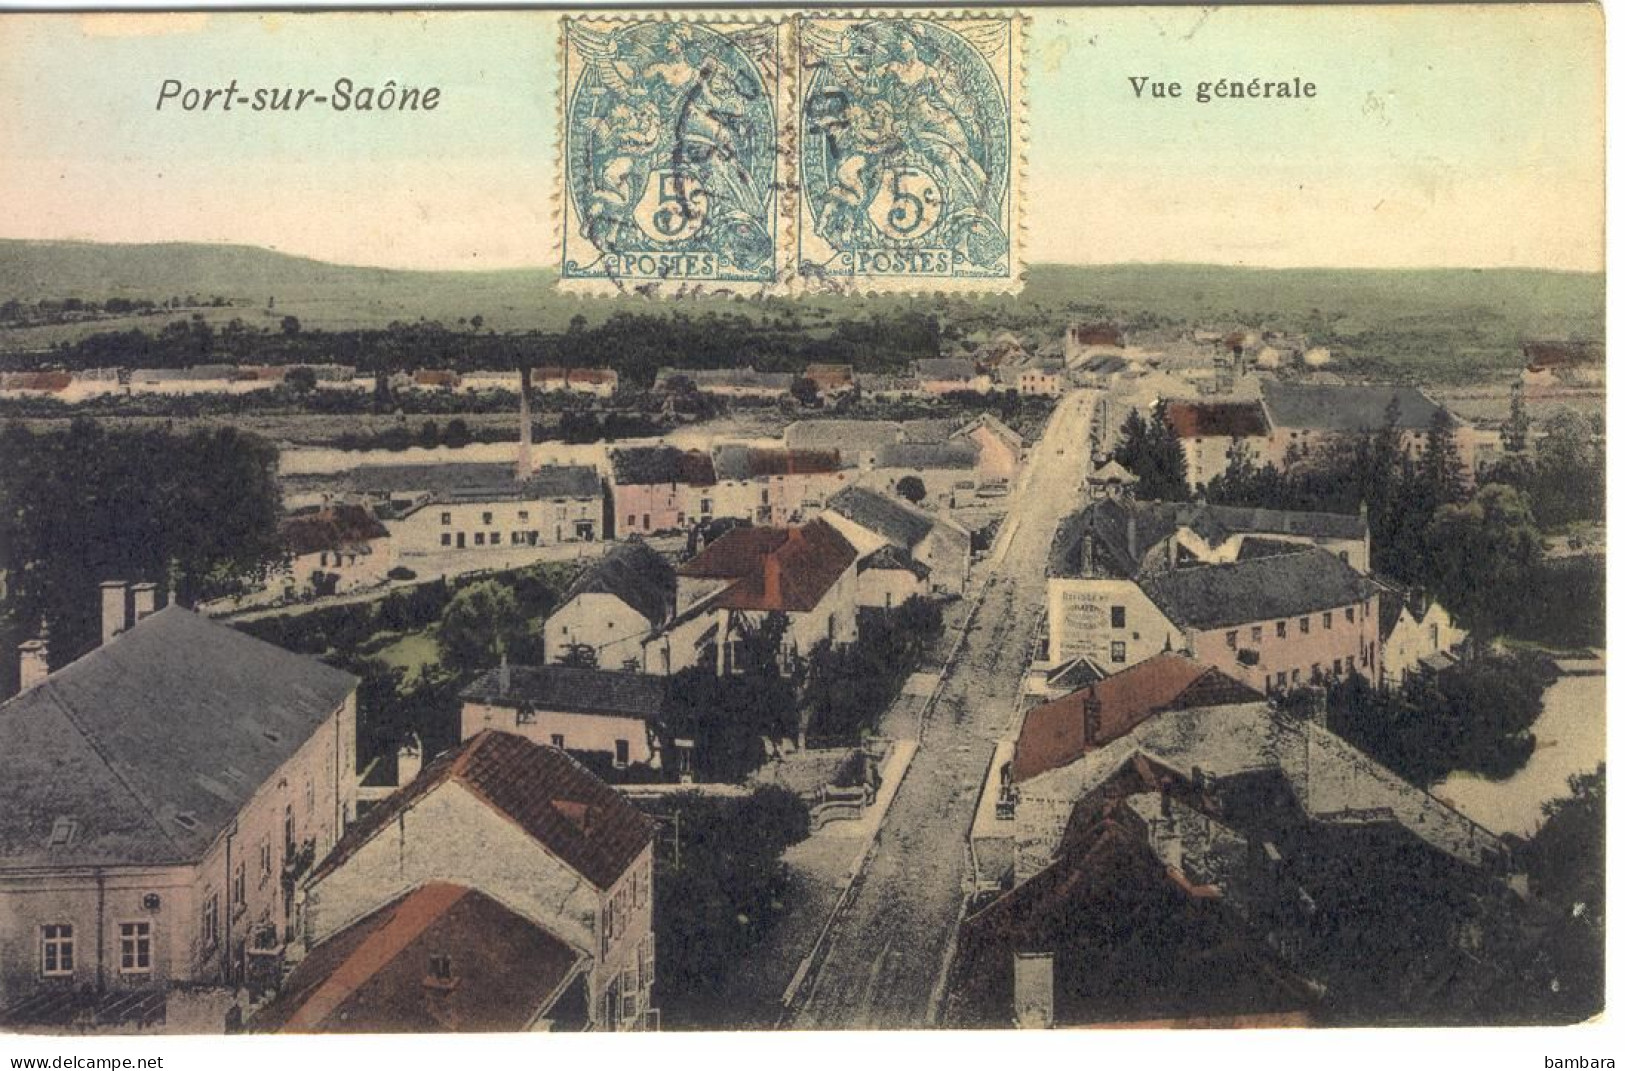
<point x="1444" y="325"/>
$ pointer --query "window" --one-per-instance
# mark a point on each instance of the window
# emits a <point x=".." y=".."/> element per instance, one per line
<point x="1433" y="636"/>
<point x="211" y="920"/>
<point x="705" y="505"/>
<point x="1119" y="617"/>
<point x="623" y="753"/>
<point x="1280" y="679"/>
<point x="265" y="858"/>
<point x="1280" y="630"/>
<point x="479" y="539"/>
<point x="1295" y="677"/>
<point x="1258" y="633"/>
<point x="445" y="539"/>
<point x="1303" y="625"/>
<point x="525" y="715"/>
<point x="524" y="516"/>
<point x="63" y="829"/>
<point x="239" y="884"/>
<point x="56" y="950"/>
<point x="1337" y="667"/>
<point x="485" y="518"/>
<point x="1230" y="639"/>
<point x="1314" y="673"/>
<point x="289" y="831"/>
<point x="440" y="967"/>
<point x="558" y="741"/>
<point x="445" y="518"/>
<point x="1119" y="651"/>
<point x="1326" y="619"/>
<point x="631" y="520"/>
<point x="135" y="947"/>
<point x="1348" y="613"/>
<point x="646" y="524"/>
<point x="679" y="518"/>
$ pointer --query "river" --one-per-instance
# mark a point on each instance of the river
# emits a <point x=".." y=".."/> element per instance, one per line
<point x="1570" y="737"/>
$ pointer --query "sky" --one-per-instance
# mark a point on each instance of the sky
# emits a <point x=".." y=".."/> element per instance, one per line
<point x="1439" y="136"/>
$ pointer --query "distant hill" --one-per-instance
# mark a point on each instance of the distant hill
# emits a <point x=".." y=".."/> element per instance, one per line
<point x="1444" y="323"/>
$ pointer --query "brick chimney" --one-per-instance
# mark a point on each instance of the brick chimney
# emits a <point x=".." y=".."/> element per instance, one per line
<point x="34" y="656"/>
<point x="144" y="598"/>
<point x="115" y="613"/>
<point x="773" y="579"/>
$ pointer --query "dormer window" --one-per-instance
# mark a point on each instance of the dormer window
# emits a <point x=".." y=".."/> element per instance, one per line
<point x="440" y="967"/>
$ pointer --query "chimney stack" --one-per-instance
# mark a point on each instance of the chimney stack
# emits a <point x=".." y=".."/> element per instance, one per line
<point x="504" y="675"/>
<point x="145" y="599"/>
<point x="35" y="658"/>
<point x="115" y="614"/>
<point x="772" y="580"/>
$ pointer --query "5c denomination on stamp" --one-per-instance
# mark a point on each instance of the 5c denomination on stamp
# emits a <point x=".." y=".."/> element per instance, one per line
<point x="910" y="151"/>
<point x="672" y="168"/>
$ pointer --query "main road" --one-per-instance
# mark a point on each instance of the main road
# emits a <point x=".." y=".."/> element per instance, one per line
<point x="886" y="954"/>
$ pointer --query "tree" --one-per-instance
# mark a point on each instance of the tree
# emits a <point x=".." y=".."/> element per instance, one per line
<point x="1564" y="968"/>
<point x="1515" y="429"/>
<point x="290" y="325"/>
<point x="1150" y="450"/>
<point x="1442" y="470"/>
<point x="1480" y="555"/>
<point x="457" y="434"/>
<point x="911" y="488"/>
<point x="480" y="624"/>
<point x="301" y="380"/>
<point x="476" y="321"/>
<point x="805" y="391"/>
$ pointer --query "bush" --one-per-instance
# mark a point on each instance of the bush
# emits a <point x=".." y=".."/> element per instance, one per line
<point x="401" y="572"/>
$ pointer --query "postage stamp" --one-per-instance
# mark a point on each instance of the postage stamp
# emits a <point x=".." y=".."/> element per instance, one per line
<point x="911" y="132"/>
<point x="673" y="171"/>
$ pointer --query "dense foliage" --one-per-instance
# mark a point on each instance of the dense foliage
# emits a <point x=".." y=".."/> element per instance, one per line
<point x="1475" y="716"/>
<point x="1150" y="450"/>
<point x="719" y="889"/>
<point x="195" y="513"/>
<point x="850" y="688"/>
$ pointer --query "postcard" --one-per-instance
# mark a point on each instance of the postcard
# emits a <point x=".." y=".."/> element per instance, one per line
<point x="802" y="518"/>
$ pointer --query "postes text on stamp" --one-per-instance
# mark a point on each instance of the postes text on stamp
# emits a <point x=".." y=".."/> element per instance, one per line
<point x="671" y="165"/>
<point x="910" y="151"/>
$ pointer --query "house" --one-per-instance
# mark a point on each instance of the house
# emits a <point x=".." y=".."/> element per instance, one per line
<point x="1223" y="829"/>
<point x="951" y="375"/>
<point x="480" y="507"/>
<point x="439" y="958"/>
<point x="727" y="382"/>
<point x="1562" y="364"/>
<point x="196" y="379"/>
<point x="999" y="449"/>
<point x="1034" y="377"/>
<point x="523" y="825"/>
<point x="35" y="384"/>
<point x="599" y="382"/>
<point x="164" y="793"/>
<point x="772" y="486"/>
<point x="888" y="577"/>
<point x="1091" y="338"/>
<point x="1208" y="430"/>
<point x="1275" y="622"/>
<point x="660" y="489"/>
<point x="807" y="574"/>
<point x="434" y="379"/>
<point x="831" y="379"/>
<point x="612" y="607"/>
<point x="609" y="719"/>
<point x="335" y="549"/>
<point x="870" y="520"/>
<point x="478" y="379"/>
<point x="1303" y="417"/>
<point x="886" y="387"/>
<point x="947" y="470"/>
<point x="858" y="442"/>
<point x="1060" y="732"/>
<point x="1416" y="633"/>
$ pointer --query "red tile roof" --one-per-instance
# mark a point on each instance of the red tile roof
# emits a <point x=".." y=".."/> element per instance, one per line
<point x="53" y="382"/>
<point x="551" y="797"/>
<point x="830" y="376"/>
<point x="376" y="975"/>
<point x="1232" y="420"/>
<point x="774" y="568"/>
<point x="1058" y="733"/>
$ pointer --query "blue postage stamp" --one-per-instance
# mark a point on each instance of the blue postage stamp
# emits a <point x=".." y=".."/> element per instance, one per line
<point x="910" y="151"/>
<point x="671" y="162"/>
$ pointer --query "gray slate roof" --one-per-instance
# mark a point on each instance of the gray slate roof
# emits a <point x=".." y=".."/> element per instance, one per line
<point x="153" y="742"/>
<point x="890" y="557"/>
<point x="637" y="575"/>
<point x="475" y="481"/>
<point x="898" y="523"/>
<point x="954" y="455"/>
<point x="1108" y="522"/>
<point x="1259" y="589"/>
<point x="1346" y="407"/>
<point x="572" y="688"/>
<point x="847" y="436"/>
<point x="945" y="368"/>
